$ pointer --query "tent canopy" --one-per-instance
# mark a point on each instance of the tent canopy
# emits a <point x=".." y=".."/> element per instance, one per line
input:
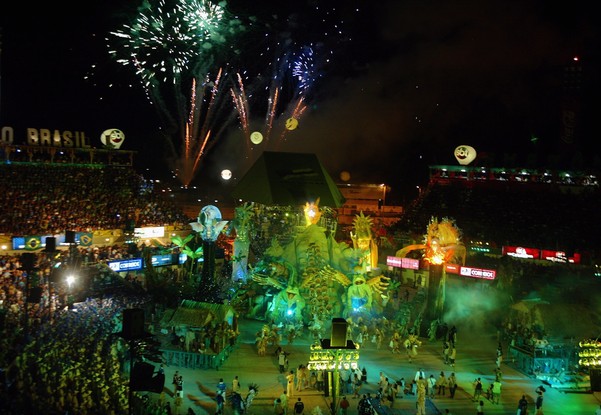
<point x="288" y="179"/>
<point x="197" y="314"/>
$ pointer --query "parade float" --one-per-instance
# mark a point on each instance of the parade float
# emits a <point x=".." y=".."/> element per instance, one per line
<point x="301" y="282"/>
<point x="291" y="268"/>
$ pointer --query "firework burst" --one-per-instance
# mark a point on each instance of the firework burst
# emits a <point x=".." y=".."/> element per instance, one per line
<point x="170" y="45"/>
<point x="296" y="58"/>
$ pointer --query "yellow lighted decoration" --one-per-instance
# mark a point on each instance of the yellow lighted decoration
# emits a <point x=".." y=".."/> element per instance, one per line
<point x="465" y="154"/>
<point x="442" y="243"/>
<point x="590" y="353"/>
<point x="332" y="359"/>
<point x="312" y="213"/>
<point x="363" y="240"/>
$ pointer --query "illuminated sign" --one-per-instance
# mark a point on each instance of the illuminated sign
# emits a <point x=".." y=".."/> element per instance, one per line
<point x="150" y="232"/>
<point x="393" y="261"/>
<point x="487" y="274"/>
<point x="452" y="268"/>
<point x="44" y="137"/>
<point x="521" y="252"/>
<point x="553" y="256"/>
<point x="544" y="254"/>
<point x="559" y="256"/>
<point x="126" y="265"/>
<point x="162" y="260"/>
<point x="410" y="263"/>
<point x="397" y="262"/>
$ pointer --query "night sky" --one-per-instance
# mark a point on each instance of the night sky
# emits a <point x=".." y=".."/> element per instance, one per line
<point x="399" y="84"/>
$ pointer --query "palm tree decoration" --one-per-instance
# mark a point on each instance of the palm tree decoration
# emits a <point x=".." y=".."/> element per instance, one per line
<point x="192" y="254"/>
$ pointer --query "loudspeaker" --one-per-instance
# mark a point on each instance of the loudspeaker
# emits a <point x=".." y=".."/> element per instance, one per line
<point x="142" y="378"/>
<point x="141" y="375"/>
<point x="35" y="295"/>
<point x="133" y="324"/>
<point x="158" y="383"/>
<point x="70" y="237"/>
<point x="28" y="260"/>
<point x="339" y="327"/>
<point x="50" y="244"/>
<point x="595" y="379"/>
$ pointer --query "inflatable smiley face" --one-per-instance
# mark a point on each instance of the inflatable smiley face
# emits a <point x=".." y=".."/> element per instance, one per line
<point x="113" y="138"/>
<point x="465" y="154"/>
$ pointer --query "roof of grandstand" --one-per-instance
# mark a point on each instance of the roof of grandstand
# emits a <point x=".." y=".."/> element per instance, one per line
<point x="547" y="210"/>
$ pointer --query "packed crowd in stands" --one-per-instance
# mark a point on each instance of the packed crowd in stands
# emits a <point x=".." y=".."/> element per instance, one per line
<point x="544" y="217"/>
<point x="43" y="373"/>
<point x="43" y="199"/>
<point x="44" y="342"/>
<point x="57" y="356"/>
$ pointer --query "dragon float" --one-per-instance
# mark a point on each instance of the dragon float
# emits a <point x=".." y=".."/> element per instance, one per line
<point x="442" y="243"/>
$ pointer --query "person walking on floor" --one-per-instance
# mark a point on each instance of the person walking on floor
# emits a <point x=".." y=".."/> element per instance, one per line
<point x="282" y="361"/>
<point x="441" y="383"/>
<point x="480" y="408"/>
<point x="452" y="384"/>
<point x="523" y="406"/>
<point x="499" y="356"/>
<point x="221" y="387"/>
<point x="382" y="379"/>
<point x="452" y="356"/>
<point x="299" y="407"/>
<point x="446" y="348"/>
<point x="539" y="404"/>
<point x="356" y="385"/>
<point x="278" y="409"/>
<point x="290" y="383"/>
<point x="320" y="384"/>
<point x="431" y="386"/>
<point x="220" y="403"/>
<point x="345" y="380"/>
<point x="344" y="405"/>
<point x="178" y="379"/>
<point x="420" y="374"/>
<point x="391" y="396"/>
<point x="175" y="382"/>
<point x="236" y="385"/>
<point x="477" y="389"/>
<point x="364" y="375"/>
<point x="496" y="392"/>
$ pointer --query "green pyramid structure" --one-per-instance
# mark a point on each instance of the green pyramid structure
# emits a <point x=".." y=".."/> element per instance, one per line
<point x="288" y="179"/>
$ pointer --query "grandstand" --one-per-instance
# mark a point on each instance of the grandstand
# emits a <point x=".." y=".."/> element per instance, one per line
<point x="48" y="198"/>
<point x="555" y="210"/>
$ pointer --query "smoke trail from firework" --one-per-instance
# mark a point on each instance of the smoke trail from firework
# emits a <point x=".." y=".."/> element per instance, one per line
<point x="271" y="110"/>
<point x="292" y="78"/>
<point x="198" y="127"/>
<point x="241" y="104"/>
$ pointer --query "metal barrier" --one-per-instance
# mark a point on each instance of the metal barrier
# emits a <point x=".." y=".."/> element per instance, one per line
<point x="535" y="361"/>
<point x="191" y="360"/>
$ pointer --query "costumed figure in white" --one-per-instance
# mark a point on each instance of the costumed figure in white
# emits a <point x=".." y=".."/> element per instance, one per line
<point x="241" y="225"/>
